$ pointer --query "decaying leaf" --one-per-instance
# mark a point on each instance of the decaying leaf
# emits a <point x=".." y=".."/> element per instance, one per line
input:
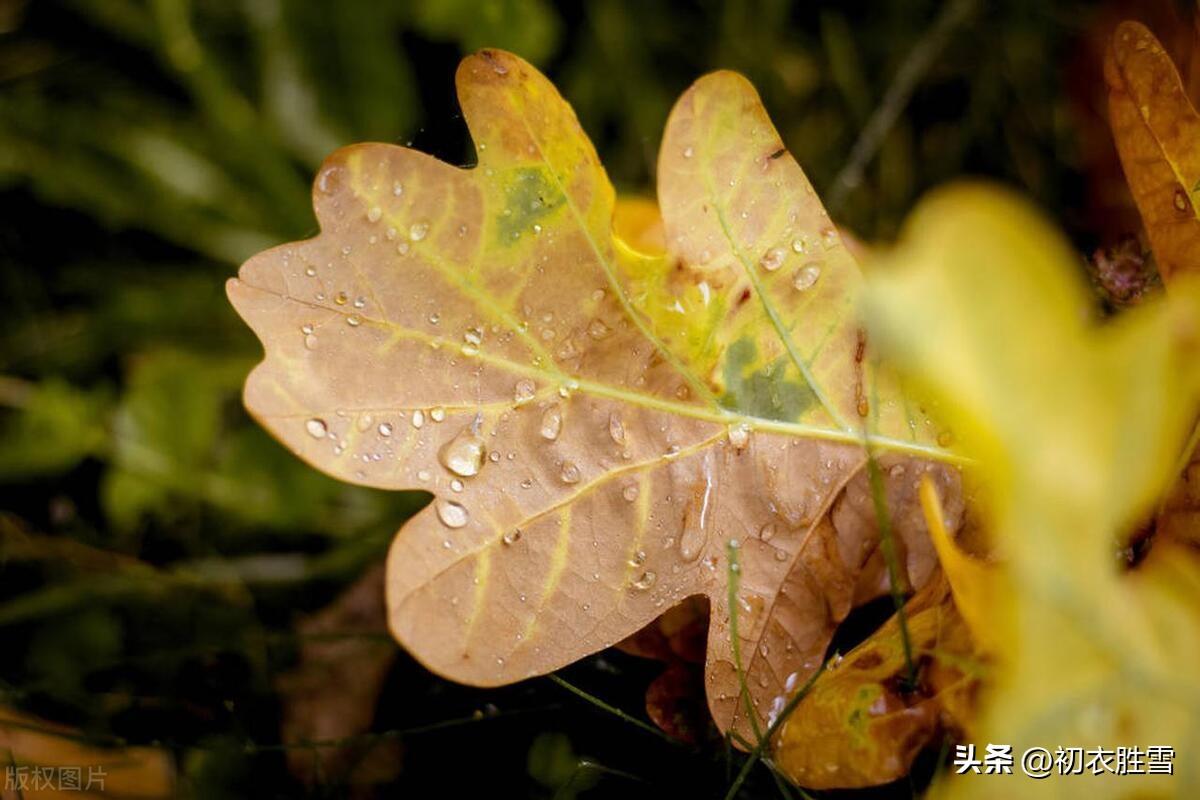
<point x="43" y="760"/>
<point x="1157" y="131"/>
<point x="861" y="724"/>
<point x="596" y="422"/>
<point x="675" y="699"/>
<point x="332" y="693"/>
<point x="1076" y="430"/>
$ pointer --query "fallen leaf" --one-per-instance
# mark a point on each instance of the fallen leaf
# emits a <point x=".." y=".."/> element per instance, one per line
<point x="596" y="423"/>
<point x="41" y="759"/>
<point x="861" y="724"/>
<point x="1157" y="131"/>
<point x="332" y="692"/>
<point x="675" y="699"/>
<point x="1075" y="429"/>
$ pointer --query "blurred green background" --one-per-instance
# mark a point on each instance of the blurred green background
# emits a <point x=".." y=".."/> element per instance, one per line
<point x="157" y="548"/>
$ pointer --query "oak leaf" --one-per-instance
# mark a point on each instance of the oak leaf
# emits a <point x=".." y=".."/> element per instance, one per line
<point x="596" y="422"/>
<point x="1157" y="131"/>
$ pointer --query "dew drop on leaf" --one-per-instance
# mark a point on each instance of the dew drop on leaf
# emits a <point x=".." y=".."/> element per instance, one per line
<point x="452" y="514"/>
<point x="463" y="455"/>
<point x="551" y="423"/>
<point x="418" y="418"/>
<point x="616" y="428"/>
<point x="417" y="231"/>
<point x="806" y="277"/>
<point x="374" y="214"/>
<point x="524" y="391"/>
<point x="570" y="472"/>
<point x="385" y="429"/>
<point x="644" y="581"/>
<point x="772" y="259"/>
<point x="512" y="536"/>
<point x="316" y="428"/>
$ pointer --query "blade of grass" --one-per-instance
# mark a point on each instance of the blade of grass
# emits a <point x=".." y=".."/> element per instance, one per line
<point x="886" y="541"/>
<point x="611" y="709"/>
<point x="757" y="752"/>
<point x="734" y="583"/>
<point x="918" y="61"/>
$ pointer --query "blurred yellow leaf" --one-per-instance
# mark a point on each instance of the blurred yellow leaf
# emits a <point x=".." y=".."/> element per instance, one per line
<point x="597" y="419"/>
<point x="1076" y="430"/>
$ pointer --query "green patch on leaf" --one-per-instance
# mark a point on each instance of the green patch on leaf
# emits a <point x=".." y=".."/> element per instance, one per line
<point x="764" y="392"/>
<point x="528" y="198"/>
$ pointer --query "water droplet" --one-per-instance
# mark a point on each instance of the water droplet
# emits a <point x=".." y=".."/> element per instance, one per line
<point x="551" y="423"/>
<point x="638" y="558"/>
<point x="329" y="180"/>
<point x="310" y="341"/>
<point x="806" y="277"/>
<point x="630" y="492"/>
<point x="418" y="418"/>
<point x="340" y="298"/>
<point x="437" y="414"/>
<point x="417" y="231"/>
<point x="739" y="435"/>
<point x="311" y="272"/>
<point x="512" y="537"/>
<point x="781" y="555"/>
<point x="397" y="189"/>
<point x="1181" y="202"/>
<point x="697" y="517"/>
<point x="799" y="245"/>
<point x="644" y="581"/>
<point x="316" y="428"/>
<point x="688" y="152"/>
<point x="359" y="302"/>
<point x="772" y="259"/>
<point x="423" y="475"/>
<point x="767" y="532"/>
<point x="353" y="320"/>
<point x="374" y="214"/>
<point x="570" y="472"/>
<point x="616" y="428"/>
<point x="385" y="429"/>
<point x="463" y="455"/>
<point x="456" y="485"/>
<point x="452" y="514"/>
<point x="598" y="330"/>
<point x="524" y="391"/>
<point x="829" y="238"/>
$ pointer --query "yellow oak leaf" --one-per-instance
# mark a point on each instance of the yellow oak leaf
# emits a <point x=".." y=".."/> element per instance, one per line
<point x="598" y="415"/>
<point x="1075" y="428"/>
